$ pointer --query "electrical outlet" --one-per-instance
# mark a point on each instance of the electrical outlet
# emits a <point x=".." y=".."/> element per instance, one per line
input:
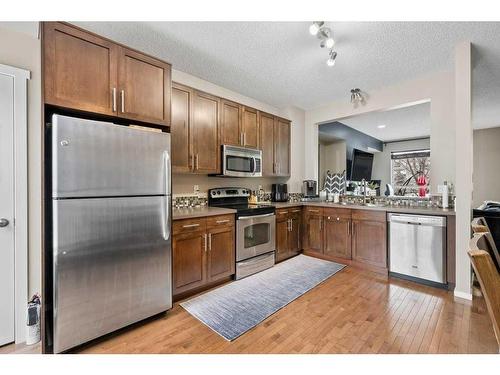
<point x="196" y="189"/>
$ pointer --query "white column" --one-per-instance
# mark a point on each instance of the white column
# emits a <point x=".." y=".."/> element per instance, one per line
<point x="464" y="165"/>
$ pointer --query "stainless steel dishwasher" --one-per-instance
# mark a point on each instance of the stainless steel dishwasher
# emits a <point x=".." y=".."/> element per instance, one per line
<point x="417" y="247"/>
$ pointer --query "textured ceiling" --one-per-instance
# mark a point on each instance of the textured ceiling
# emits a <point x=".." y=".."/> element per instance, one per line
<point x="403" y="123"/>
<point x="281" y="64"/>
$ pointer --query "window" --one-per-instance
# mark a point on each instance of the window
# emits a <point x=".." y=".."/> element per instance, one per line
<point x="406" y="167"/>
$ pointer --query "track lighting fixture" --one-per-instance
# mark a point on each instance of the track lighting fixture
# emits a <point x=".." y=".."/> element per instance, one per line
<point x="314" y="28"/>
<point x="324" y="33"/>
<point x="356" y="96"/>
<point x="331" y="59"/>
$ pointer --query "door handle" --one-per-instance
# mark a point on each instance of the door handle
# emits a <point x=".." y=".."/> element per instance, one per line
<point x="222" y="221"/>
<point x="3" y="222"/>
<point x="205" y="238"/>
<point x="254" y="217"/>
<point x="210" y="242"/>
<point x="191" y="225"/>
<point x="122" y="97"/>
<point x="197" y="158"/>
<point x="114" y="99"/>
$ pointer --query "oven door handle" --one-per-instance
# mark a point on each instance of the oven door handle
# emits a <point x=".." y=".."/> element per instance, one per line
<point x="254" y="216"/>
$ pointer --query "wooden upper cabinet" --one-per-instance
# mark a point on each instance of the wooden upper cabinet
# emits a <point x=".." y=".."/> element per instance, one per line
<point x="250" y="127"/>
<point x="267" y="143"/>
<point x="282" y="146"/>
<point x="80" y="69"/>
<point x="230" y="118"/>
<point x="204" y="134"/>
<point x="145" y="85"/>
<point x="86" y="72"/>
<point x="180" y="128"/>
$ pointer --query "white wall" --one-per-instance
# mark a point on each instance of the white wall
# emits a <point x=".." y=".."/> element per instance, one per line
<point x="20" y="47"/>
<point x="382" y="160"/>
<point x="332" y="157"/>
<point x="451" y="138"/>
<point x="436" y="87"/>
<point x="486" y="162"/>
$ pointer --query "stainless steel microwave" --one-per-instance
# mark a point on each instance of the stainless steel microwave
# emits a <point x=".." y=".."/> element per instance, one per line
<point x="241" y="162"/>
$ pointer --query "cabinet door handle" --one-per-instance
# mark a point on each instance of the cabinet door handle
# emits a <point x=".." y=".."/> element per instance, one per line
<point x="205" y="238"/>
<point x="114" y="98"/>
<point x="122" y="94"/>
<point x="210" y="242"/>
<point x="348" y="228"/>
<point x="222" y="221"/>
<point x="197" y="162"/>
<point x="191" y="225"/>
<point x="296" y="210"/>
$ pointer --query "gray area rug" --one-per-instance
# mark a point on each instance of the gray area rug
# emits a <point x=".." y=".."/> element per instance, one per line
<point x="233" y="309"/>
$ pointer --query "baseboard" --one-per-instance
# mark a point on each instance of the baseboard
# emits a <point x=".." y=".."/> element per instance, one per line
<point x="463" y="295"/>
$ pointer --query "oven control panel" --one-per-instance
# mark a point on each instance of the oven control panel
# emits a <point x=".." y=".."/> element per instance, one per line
<point x="228" y="192"/>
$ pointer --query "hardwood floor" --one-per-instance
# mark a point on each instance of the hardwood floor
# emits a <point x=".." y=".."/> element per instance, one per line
<point x="354" y="311"/>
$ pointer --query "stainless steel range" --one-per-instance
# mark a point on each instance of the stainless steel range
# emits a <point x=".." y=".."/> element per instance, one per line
<point x="255" y="229"/>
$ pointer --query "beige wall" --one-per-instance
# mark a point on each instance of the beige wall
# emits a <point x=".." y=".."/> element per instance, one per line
<point x="382" y="160"/>
<point x="486" y="161"/>
<point x="22" y="50"/>
<point x="332" y="157"/>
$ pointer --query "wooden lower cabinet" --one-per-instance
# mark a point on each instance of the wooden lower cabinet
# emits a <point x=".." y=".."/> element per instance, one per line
<point x="221" y="256"/>
<point x="369" y="239"/>
<point x="313" y="224"/>
<point x="202" y="252"/>
<point x="337" y="241"/>
<point x="288" y="233"/>
<point x="189" y="261"/>
<point x="358" y="237"/>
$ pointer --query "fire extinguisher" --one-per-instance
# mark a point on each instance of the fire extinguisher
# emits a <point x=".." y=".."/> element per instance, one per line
<point x="33" y="321"/>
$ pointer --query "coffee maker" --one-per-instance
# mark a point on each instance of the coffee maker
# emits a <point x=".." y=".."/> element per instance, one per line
<point x="279" y="192"/>
<point x="309" y="188"/>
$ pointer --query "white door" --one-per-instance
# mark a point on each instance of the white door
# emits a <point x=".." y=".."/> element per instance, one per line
<point x="7" y="315"/>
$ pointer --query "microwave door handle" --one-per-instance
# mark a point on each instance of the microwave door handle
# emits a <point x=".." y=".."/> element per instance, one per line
<point x="254" y="164"/>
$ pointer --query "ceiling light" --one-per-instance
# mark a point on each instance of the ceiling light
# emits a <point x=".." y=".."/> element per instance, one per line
<point x="331" y="60"/>
<point x="381" y="126"/>
<point x="314" y="28"/>
<point x="329" y="43"/>
<point x="356" y="96"/>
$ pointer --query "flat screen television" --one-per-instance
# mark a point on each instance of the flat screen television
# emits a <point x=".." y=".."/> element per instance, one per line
<point x="362" y="163"/>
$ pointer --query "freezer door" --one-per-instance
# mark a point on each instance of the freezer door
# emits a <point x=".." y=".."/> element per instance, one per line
<point x="96" y="159"/>
<point x="112" y="265"/>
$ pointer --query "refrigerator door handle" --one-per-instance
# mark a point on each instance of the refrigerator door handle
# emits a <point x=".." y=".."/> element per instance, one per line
<point x="166" y="231"/>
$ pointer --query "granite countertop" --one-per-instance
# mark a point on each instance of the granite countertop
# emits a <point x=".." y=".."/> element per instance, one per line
<point x="408" y="210"/>
<point x="189" y="213"/>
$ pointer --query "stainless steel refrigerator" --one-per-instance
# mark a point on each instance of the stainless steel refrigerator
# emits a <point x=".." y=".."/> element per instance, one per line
<point x="111" y="218"/>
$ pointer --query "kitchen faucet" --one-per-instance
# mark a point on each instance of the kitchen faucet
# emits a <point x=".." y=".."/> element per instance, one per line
<point x="363" y="182"/>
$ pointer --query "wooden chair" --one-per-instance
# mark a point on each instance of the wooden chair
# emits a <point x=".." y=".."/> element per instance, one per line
<point x="479" y="225"/>
<point x="488" y="276"/>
